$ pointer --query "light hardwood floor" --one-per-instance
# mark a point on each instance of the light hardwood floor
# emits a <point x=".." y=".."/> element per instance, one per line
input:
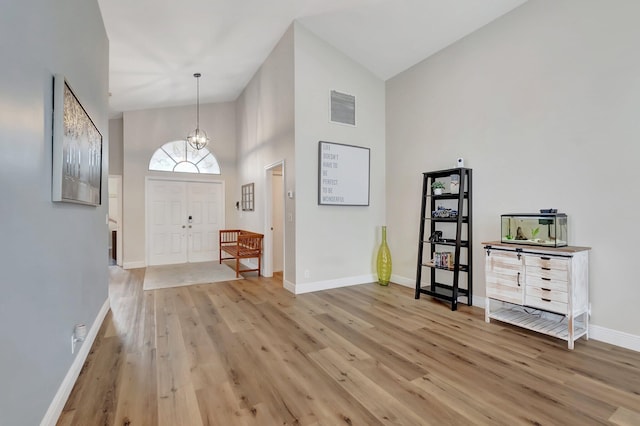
<point x="250" y="353"/>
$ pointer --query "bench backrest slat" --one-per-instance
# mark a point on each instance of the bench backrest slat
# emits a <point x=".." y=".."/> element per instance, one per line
<point x="246" y="239"/>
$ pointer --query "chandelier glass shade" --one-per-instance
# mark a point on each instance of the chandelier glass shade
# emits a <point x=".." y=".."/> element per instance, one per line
<point x="198" y="138"/>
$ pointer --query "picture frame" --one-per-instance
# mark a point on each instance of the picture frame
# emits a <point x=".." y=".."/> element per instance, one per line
<point x="77" y="149"/>
<point x="343" y="174"/>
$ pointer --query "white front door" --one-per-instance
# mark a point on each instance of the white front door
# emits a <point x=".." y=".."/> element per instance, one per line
<point x="183" y="220"/>
<point x="205" y="220"/>
<point x="166" y="222"/>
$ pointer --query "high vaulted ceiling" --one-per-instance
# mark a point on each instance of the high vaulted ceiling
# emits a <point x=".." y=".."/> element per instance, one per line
<point x="157" y="46"/>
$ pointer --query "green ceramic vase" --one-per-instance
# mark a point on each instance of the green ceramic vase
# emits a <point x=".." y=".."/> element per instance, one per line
<point x="384" y="260"/>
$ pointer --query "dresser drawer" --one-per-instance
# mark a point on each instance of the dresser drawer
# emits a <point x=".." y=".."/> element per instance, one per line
<point x="548" y="262"/>
<point x="546" y="294"/>
<point x="545" y="282"/>
<point x="546" y="304"/>
<point x="551" y="274"/>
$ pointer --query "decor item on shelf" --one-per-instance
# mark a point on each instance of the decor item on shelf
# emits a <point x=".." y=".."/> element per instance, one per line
<point x="443" y="260"/>
<point x="437" y="187"/>
<point x="384" y="260"/>
<point x="443" y="213"/>
<point x="435" y="237"/>
<point x="198" y="138"/>
<point x="454" y="185"/>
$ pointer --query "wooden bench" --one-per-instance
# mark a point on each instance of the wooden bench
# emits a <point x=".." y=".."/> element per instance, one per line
<point x="241" y="244"/>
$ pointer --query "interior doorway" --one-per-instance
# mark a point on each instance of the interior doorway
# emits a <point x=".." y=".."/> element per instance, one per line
<point x="115" y="219"/>
<point x="183" y="219"/>
<point x="274" y="219"/>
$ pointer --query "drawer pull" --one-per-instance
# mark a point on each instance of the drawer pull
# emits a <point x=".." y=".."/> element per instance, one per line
<point x="545" y="300"/>
<point x="545" y="289"/>
<point x="546" y="269"/>
<point x="518" y="279"/>
<point x="545" y="279"/>
<point x="545" y="258"/>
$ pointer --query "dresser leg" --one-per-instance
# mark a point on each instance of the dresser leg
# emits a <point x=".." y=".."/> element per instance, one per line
<point x="571" y="332"/>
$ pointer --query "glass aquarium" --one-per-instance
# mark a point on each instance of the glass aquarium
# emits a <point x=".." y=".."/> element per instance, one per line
<point x="538" y="229"/>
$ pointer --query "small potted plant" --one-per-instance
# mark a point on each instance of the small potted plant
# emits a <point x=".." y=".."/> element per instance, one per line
<point x="437" y="187"/>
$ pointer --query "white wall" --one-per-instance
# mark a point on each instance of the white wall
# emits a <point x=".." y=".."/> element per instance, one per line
<point x="335" y="245"/>
<point x="543" y="104"/>
<point x="53" y="256"/>
<point x="265" y="136"/>
<point x="115" y="146"/>
<point x="145" y="131"/>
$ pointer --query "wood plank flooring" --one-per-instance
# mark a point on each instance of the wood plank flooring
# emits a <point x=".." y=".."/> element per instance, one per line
<point x="250" y="353"/>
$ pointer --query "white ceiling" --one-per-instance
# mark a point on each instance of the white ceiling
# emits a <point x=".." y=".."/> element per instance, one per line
<point x="157" y="46"/>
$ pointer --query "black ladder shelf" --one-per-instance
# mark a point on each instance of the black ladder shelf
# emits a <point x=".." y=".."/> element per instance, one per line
<point x="446" y="229"/>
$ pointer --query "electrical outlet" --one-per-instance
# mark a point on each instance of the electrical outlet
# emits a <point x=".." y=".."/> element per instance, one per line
<point x="78" y="336"/>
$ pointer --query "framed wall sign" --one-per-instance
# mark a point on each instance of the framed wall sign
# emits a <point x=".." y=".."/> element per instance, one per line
<point x="77" y="149"/>
<point x="343" y="174"/>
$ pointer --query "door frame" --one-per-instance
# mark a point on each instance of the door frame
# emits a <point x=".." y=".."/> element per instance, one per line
<point x="174" y="178"/>
<point x="267" y="253"/>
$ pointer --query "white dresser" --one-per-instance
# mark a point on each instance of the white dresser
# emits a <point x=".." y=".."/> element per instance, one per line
<point x="539" y="288"/>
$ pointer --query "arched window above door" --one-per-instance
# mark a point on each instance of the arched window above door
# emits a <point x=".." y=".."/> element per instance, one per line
<point x="179" y="156"/>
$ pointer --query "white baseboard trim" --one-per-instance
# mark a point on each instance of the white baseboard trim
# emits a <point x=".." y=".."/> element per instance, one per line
<point x="134" y="265"/>
<point x="403" y="281"/>
<point x="328" y="284"/>
<point x="60" y="398"/>
<point x="288" y="285"/>
<point x="411" y="283"/>
<point x="614" y="337"/>
<point x="479" y="302"/>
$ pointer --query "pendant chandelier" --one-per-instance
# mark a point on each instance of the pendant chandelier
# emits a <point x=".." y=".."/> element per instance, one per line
<point x="198" y="138"/>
